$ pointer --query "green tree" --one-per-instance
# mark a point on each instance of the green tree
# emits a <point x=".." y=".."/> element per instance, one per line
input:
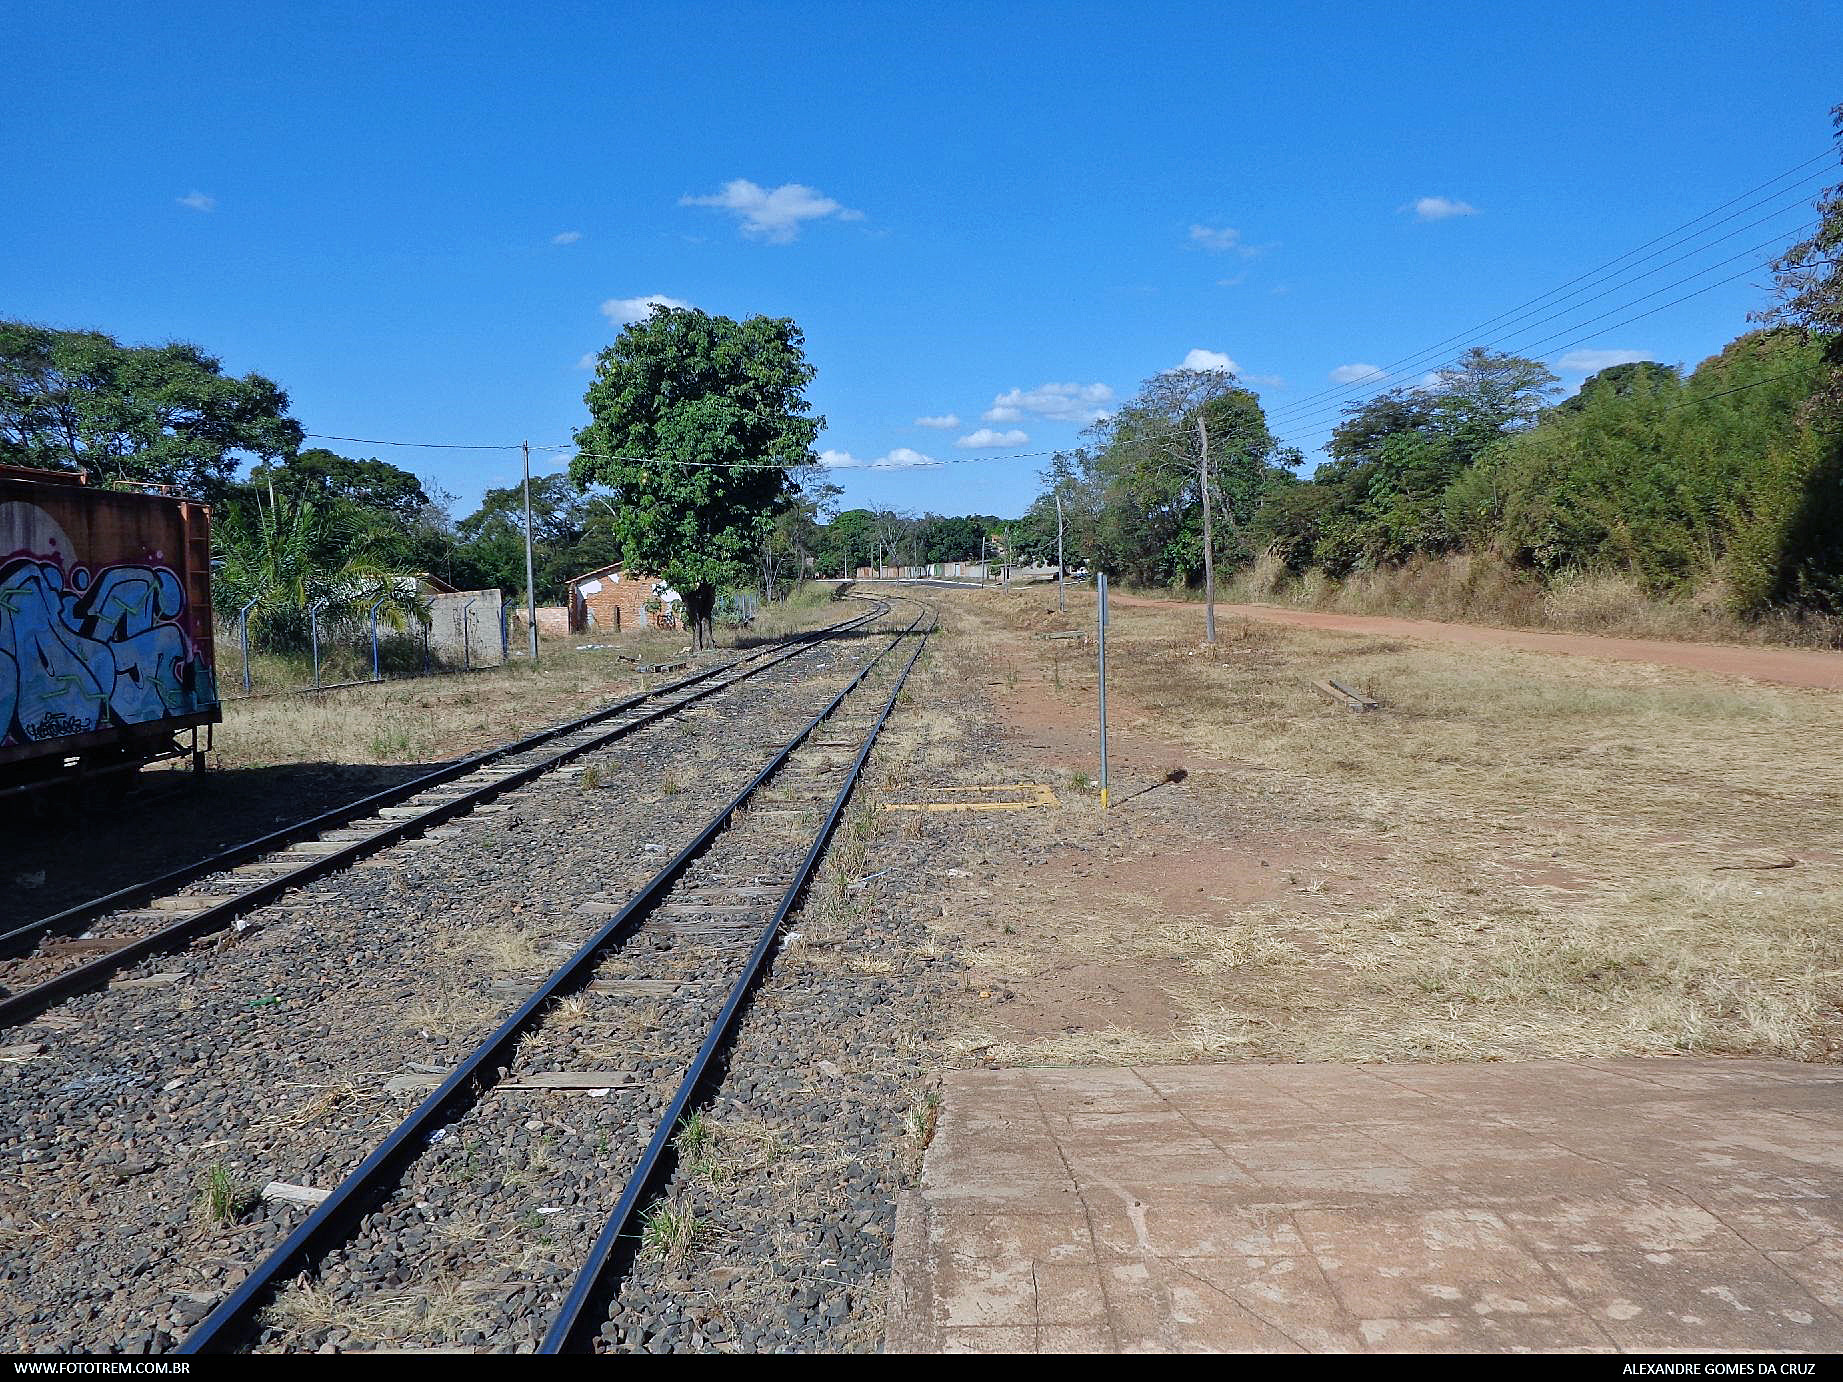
<point x="1142" y="473"/>
<point x="1809" y="279"/>
<point x="141" y="415"/>
<point x="849" y="541"/>
<point x="571" y="533"/>
<point x="371" y="486"/>
<point x="794" y="535"/>
<point x="295" y="554"/>
<point x="697" y="424"/>
<point x="1395" y="456"/>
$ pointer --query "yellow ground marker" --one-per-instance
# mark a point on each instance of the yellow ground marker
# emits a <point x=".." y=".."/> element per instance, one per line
<point x="1041" y="796"/>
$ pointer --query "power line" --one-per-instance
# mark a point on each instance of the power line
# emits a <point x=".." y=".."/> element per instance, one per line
<point x="1325" y="412"/>
<point x="421" y="445"/>
<point x="1741" y="388"/>
<point x="1422" y="358"/>
<point x="931" y="463"/>
<point x="1395" y="366"/>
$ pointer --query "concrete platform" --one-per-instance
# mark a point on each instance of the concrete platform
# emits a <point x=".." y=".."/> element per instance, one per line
<point x="1568" y="1206"/>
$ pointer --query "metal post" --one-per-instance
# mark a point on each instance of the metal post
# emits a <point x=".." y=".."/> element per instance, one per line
<point x="376" y="673"/>
<point x="1100" y="590"/>
<point x="531" y="589"/>
<point x="313" y="636"/>
<point x="428" y="622"/>
<point x="243" y="622"/>
<point x="1062" y="600"/>
<point x="467" y="647"/>
<point x="505" y="632"/>
<point x="982" y="559"/>
<point x="1209" y="548"/>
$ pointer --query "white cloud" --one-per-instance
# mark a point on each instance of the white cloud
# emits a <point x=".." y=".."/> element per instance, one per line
<point x="1222" y="239"/>
<point x="901" y="458"/>
<point x="774" y="214"/>
<point x="622" y="311"/>
<point x="588" y="361"/>
<point x="1439" y="208"/>
<point x="946" y="422"/>
<point x="1059" y="402"/>
<point x="985" y="439"/>
<point x="197" y="201"/>
<point x="1350" y="374"/>
<point x="566" y="237"/>
<point x="1593" y="361"/>
<point x="1211" y="360"/>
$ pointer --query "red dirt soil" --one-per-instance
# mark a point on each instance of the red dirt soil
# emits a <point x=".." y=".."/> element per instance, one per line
<point x="1789" y="666"/>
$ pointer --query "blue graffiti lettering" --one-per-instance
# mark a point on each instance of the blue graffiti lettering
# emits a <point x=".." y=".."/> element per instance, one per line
<point x="93" y="652"/>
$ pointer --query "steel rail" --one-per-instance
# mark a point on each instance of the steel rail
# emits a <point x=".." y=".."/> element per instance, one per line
<point x="20" y="938"/>
<point x="331" y="1221"/>
<point x="595" y="1281"/>
<point x="17" y="1008"/>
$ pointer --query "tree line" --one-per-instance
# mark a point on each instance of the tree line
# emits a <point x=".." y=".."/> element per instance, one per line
<point x="1724" y="478"/>
<point x="696" y="466"/>
<point x="1729" y="475"/>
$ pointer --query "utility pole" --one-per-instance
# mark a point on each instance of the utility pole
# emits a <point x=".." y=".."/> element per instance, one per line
<point x="1062" y="600"/>
<point x="1100" y="592"/>
<point x="1209" y="551"/>
<point x="531" y="588"/>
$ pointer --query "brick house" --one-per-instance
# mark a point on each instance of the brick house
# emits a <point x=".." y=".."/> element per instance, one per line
<point x="610" y="600"/>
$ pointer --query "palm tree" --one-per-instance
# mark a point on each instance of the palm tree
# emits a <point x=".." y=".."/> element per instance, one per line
<point x="292" y="556"/>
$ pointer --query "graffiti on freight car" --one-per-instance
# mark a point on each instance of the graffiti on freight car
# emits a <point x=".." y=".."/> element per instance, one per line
<point x="83" y="650"/>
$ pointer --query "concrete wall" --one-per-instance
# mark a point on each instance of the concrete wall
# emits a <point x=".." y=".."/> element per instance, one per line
<point x="480" y="647"/>
<point x="553" y="621"/>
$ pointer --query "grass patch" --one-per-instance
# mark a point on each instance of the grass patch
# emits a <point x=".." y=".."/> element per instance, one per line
<point x="1519" y="855"/>
<point x="222" y="1198"/>
<point x="670" y="1232"/>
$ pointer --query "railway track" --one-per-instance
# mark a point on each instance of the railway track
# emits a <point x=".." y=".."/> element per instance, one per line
<point x="698" y="935"/>
<point x="170" y="912"/>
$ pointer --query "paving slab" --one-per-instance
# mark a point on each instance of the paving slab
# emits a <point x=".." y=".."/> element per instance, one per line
<point x="1544" y="1206"/>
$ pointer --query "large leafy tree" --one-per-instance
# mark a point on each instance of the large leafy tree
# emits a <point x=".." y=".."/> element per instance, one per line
<point x="849" y="541"/>
<point x="326" y="477"/>
<point x="1395" y="456"/>
<point x="164" y="415"/>
<point x="698" y="425"/>
<point x="1144" y="467"/>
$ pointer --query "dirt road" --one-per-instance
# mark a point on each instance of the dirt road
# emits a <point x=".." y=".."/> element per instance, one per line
<point x="1789" y="666"/>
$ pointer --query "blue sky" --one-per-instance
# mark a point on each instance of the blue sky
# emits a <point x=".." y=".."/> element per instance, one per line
<point x="419" y="220"/>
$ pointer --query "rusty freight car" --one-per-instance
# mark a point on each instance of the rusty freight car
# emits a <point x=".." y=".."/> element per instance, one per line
<point x="105" y="631"/>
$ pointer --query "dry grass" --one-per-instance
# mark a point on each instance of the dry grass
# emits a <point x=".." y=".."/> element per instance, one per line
<point x="452" y="1013"/>
<point x="1483" y="589"/>
<point x="437" y="1308"/>
<point x="432" y="719"/>
<point x="1519" y="855"/>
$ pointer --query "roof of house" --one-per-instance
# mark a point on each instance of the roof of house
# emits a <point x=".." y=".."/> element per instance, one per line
<point x="598" y="571"/>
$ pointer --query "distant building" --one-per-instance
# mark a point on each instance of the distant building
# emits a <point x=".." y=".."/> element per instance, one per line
<point x="611" y="600"/>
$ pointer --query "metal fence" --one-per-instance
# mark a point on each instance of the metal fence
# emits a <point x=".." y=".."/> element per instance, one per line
<point x="427" y="636"/>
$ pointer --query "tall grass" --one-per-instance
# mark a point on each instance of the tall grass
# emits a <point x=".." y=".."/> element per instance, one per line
<point x="1465" y="588"/>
